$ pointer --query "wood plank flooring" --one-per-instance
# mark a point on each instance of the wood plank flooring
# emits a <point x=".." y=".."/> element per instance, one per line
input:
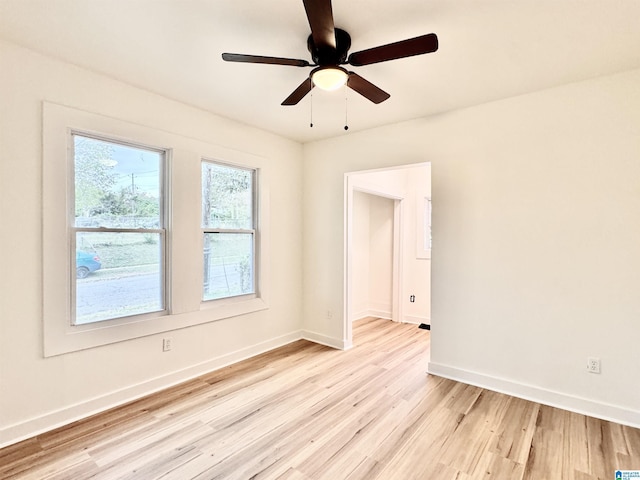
<point x="305" y="411"/>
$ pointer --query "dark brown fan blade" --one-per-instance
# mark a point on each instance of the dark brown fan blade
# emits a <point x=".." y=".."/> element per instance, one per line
<point x="320" y="16"/>
<point x="405" y="48"/>
<point x="299" y="93"/>
<point x="366" y="88"/>
<point x="239" y="57"/>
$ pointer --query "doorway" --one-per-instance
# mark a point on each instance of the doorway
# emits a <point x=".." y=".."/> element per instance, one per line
<point x="391" y="201"/>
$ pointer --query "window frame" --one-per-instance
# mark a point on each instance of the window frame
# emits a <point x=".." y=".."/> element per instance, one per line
<point x="183" y="257"/>
<point x="164" y="218"/>
<point x="254" y="231"/>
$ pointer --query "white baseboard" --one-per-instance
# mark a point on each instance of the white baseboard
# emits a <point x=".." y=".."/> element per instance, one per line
<point x="388" y="316"/>
<point x="416" y="320"/>
<point x="552" y="398"/>
<point x="51" y="420"/>
<point x="381" y="309"/>
<point x="360" y="314"/>
<point x="372" y="313"/>
<point x="328" y="341"/>
<point x="385" y="314"/>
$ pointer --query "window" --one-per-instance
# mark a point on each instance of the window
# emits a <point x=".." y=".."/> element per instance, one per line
<point x="118" y="237"/>
<point x="229" y="230"/>
<point x="122" y="231"/>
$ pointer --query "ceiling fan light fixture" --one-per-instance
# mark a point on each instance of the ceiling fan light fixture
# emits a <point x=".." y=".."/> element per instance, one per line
<point x="329" y="78"/>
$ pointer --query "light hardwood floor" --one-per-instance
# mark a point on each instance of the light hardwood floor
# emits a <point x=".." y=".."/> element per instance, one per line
<point x="305" y="411"/>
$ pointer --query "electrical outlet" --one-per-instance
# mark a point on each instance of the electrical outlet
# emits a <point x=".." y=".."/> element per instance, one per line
<point x="166" y="344"/>
<point x="412" y="298"/>
<point x="593" y="365"/>
<point x="329" y="314"/>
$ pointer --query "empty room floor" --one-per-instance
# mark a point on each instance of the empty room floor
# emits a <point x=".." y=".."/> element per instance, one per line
<point x="305" y="411"/>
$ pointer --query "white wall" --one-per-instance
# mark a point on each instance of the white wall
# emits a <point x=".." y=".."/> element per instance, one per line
<point x="536" y="227"/>
<point x="417" y="267"/>
<point x="372" y="258"/>
<point x="361" y="255"/>
<point x="381" y="255"/>
<point x="38" y="393"/>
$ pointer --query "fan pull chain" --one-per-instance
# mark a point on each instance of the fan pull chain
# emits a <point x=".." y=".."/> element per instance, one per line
<point x="346" y="108"/>
<point x="311" y="103"/>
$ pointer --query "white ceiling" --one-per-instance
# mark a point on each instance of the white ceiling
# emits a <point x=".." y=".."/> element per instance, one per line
<point x="489" y="49"/>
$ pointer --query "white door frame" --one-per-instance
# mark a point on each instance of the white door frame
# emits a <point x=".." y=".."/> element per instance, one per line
<point x="356" y="181"/>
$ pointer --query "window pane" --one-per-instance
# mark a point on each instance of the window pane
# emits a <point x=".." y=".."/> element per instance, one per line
<point x="227" y="197"/>
<point x="116" y="186"/>
<point x="117" y="275"/>
<point x="228" y="265"/>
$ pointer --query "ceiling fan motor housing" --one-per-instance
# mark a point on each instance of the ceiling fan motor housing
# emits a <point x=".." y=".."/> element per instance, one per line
<point x="331" y="56"/>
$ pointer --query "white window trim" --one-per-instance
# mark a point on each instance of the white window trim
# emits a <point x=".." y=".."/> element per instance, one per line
<point x="184" y="262"/>
<point x="255" y="231"/>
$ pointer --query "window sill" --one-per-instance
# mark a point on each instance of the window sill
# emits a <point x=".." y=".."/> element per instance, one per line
<point x="59" y="341"/>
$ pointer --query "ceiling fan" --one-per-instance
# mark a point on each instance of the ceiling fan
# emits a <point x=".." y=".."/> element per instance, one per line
<point x="329" y="47"/>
